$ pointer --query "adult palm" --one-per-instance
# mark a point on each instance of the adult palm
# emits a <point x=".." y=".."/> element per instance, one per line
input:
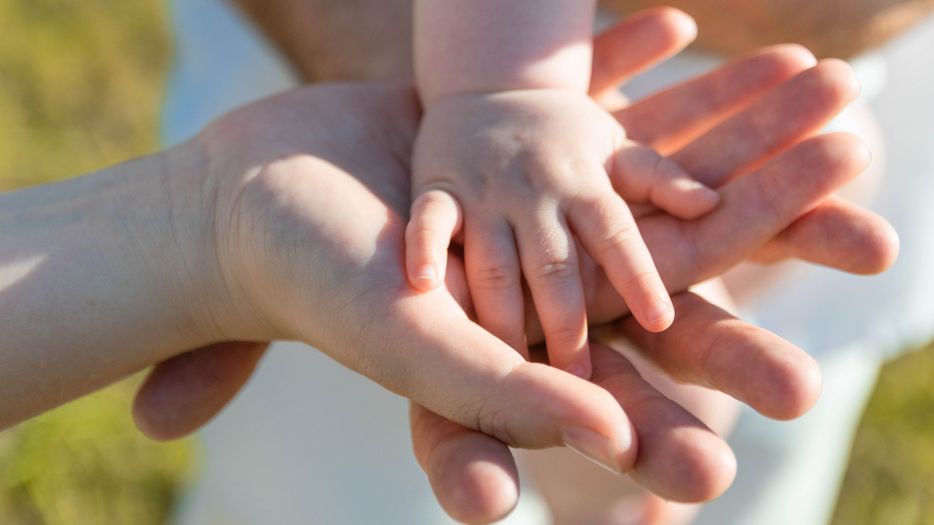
<point x="312" y="189"/>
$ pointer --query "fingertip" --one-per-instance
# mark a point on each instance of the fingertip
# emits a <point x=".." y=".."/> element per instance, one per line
<point x="842" y="75"/>
<point x="698" y="200"/>
<point x="425" y="278"/>
<point x="153" y="414"/>
<point x="684" y="23"/>
<point x="474" y="479"/>
<point x="421" y="274"/>
<point x="884" y="250"/>
<point x="794" y="387"/>
<point x="687" y="465"/>
<point x="659" y="315"/>
<point x="151" y="429"/>
<point x="582" y="367"/>
<point x="795" y="57"/>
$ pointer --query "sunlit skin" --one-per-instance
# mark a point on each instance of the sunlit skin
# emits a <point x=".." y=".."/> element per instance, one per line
<point x="323" y="40"/>
<point x="515" y="156"/>
<point x="177" y="398"/>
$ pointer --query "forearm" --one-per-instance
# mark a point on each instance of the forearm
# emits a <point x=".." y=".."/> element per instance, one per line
<point x="464" y="46"/>
<point x="93" y="283"/>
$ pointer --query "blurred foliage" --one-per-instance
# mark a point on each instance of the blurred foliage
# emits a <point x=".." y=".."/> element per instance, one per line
<point x="80" y="87"/>
<point x="86" y="463"/>
<point x="890" y="479"/>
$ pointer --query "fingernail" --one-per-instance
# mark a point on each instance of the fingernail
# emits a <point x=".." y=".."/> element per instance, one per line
<point x="427" y="273"/>
<point x="709" y="194"/>
<point x="593" y="446"/>
<point x="579" y="370"/>
<point x="661" y="314"/>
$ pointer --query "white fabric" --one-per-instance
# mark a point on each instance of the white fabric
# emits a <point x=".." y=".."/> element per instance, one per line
<point x="309" y="442"/>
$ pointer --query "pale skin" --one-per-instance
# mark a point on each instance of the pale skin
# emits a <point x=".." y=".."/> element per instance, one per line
<point x="451" y="455"/>
<point x="514" y="157"/>
<point x="137" y="241"/>
<point x="236" y="236"/>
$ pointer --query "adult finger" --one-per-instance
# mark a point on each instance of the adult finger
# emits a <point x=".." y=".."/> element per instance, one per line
<point x="673" y="117"/>
<point x="428" y="350"/>
<point x="636" y="44"/>
<point x="768" y="126"/>
<point x="472" y="475"/>
<point x="183" y="393"/>
<point x="709" y="347"/>
<point x="841" y="235"/>
<point x="765" y="202"/>
<point x="768" y="200"/>
<point x="838" y="234"/>
<point x="679" y="457"/>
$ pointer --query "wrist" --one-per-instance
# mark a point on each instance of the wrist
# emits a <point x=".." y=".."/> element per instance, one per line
<point x="486" y="95"/>
<point x="191" y="266"/>
<point x="209" y="256"/>
<point x="479" y="92"/>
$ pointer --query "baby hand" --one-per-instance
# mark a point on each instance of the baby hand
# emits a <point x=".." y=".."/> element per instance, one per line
<point x="521" y="175"/>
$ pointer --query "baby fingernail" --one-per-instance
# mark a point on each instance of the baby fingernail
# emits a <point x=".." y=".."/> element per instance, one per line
<point x="427" y="273"/>
<point x="593" y="446"/>
<point x="660" y="314"/>
<point x="580" y="370"/>
<point x="704" y="190"/>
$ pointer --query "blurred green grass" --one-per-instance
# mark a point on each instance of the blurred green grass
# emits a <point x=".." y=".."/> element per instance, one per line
<point x="890" y="478"/>
<point x="80" y="86"/>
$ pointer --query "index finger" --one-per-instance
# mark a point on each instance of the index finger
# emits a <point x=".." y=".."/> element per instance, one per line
<point x="636" y="44"/>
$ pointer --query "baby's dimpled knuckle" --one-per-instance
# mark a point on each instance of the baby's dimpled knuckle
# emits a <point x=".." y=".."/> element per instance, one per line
<point x="495" y="277"/>
<point x="567" y="334"/>
<point x="641" y="279"/>
<point x="618" y="238"/>
<point x="555" y="271"/>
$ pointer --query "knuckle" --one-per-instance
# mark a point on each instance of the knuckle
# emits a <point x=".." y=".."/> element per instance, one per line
<point x="555" y="271"/>
<point x="422" y="235"/>
<point x="567" y="334"/>
<point x="620" y="237"/>
<point x="497" y="277"/>
<point x="772" y="195"/>
<point x="493" y="421"/>
<point x="640" y="279"/>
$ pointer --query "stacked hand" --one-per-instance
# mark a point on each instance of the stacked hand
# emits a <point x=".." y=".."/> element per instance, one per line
<point x="303" y="209"/>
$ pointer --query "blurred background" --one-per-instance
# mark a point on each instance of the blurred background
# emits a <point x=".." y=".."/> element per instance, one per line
<point x="81" y="85"/>
<point x="80" y="88"/>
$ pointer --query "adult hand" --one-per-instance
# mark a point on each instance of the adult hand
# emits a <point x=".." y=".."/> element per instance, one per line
<point x="473" y="476"/>
<point x="383" y="119"/>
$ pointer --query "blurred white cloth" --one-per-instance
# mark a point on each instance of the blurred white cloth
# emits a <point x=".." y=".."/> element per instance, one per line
<point x="310" y="442"/>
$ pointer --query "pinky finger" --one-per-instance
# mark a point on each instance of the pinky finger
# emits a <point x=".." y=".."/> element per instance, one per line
<point x="436" y="217"/>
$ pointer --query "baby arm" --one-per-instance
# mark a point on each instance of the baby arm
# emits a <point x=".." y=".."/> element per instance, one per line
<point x="514" y="157"/>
